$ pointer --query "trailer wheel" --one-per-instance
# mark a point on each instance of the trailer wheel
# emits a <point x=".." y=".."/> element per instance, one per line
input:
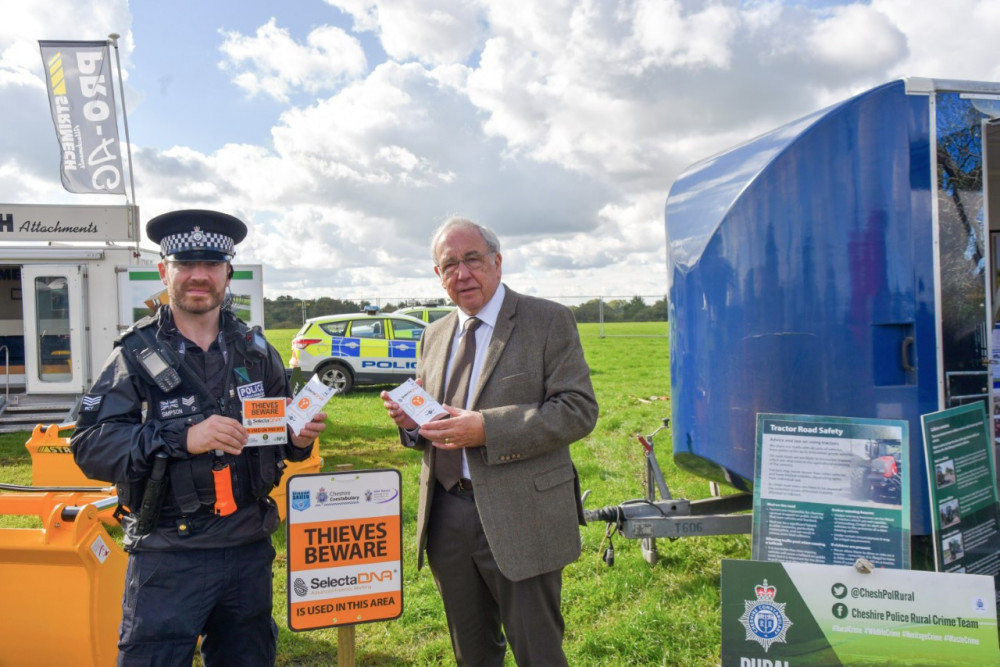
<point x="337" y="376"/>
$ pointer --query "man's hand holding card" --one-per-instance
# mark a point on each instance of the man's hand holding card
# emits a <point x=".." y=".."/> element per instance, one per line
<point x="416" y="403"/>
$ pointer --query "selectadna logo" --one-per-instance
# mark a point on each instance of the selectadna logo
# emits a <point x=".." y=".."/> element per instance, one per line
<point x="764" y="619"/>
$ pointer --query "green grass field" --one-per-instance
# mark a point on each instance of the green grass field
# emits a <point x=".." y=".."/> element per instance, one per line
<point x="629" y="614"/>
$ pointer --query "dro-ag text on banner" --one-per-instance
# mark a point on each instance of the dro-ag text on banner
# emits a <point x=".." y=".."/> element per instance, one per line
<point x="81" y="95"/>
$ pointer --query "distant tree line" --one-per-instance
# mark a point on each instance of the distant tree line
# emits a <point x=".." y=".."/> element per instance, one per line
<point x="620" y="310"/>
<point x="288" y="312"/>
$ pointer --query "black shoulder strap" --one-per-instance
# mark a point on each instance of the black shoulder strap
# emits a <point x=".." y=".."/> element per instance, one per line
<point x="141" y="323"/>
<point x="134" y="344"/>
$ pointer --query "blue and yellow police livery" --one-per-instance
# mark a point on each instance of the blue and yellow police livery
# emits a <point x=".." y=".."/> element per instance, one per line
<point x="358" y="348"/>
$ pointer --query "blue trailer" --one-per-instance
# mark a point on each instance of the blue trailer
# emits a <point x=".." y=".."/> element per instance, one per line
<point x="844" y="264"/>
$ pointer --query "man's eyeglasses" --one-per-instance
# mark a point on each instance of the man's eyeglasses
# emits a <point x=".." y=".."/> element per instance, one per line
<point x="473" y="262"/>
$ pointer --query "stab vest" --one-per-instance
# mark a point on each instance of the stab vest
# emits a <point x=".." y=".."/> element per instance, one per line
<point x="255" y="472"/>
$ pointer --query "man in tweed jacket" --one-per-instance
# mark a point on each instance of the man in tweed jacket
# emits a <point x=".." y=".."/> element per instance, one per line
<point x="497" y="540"/>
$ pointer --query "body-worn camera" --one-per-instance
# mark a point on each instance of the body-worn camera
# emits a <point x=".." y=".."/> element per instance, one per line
<point x="256" y="343"/>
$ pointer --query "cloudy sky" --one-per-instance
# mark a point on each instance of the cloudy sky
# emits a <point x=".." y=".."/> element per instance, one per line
<point x="344" y="131"/>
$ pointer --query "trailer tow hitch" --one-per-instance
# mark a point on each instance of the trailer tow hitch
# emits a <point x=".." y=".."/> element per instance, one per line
<point x="649" y="518"/>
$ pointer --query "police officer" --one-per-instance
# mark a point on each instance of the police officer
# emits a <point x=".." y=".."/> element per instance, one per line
<point x="164" y="422"/>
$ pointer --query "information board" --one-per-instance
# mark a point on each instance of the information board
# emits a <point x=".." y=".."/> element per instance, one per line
<point x="344" y="548"/>
<point x="963" y="490"/>
<point x="832" y="489"/>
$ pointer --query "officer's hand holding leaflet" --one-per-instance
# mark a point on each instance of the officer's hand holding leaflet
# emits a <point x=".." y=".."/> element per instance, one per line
<point x="310" y="431"/>
<point x="217" y="433"/>
<point x="305" y="410"/>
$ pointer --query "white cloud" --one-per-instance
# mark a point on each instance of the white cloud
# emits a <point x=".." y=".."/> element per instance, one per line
<point x="363" y="12"/>
<point x="271" y="63"/>
<point x="669" y="36"/>
<point x="433" y="32"/>
<point x="436" y="32"/>
<point x="858" y="38"/>
<point x="955" y="40"/>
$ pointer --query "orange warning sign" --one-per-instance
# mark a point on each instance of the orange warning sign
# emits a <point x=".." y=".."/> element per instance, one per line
<point x="344" y="548"/>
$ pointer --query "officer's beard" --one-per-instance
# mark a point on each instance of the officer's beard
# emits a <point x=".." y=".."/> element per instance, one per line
<point x="196" y="305"/>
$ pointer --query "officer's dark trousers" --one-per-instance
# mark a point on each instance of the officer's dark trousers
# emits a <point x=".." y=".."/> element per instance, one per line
<point x="171" y="598"/>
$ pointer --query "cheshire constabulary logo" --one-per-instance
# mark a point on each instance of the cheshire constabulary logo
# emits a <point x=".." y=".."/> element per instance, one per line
<point x="764" y="619"/>
<point x="300" y="500"/>
<point x="321" y="495"/>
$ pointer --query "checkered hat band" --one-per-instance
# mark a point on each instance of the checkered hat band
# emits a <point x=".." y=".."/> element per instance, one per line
<point x="196" y="240"/>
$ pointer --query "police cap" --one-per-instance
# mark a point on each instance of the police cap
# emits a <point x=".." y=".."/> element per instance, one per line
<point x="195" y="235"/>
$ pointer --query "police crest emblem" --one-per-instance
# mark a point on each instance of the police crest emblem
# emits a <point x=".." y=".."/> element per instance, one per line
<point x="764" y="619"/>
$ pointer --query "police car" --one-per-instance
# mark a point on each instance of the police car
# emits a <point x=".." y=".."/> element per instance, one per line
<point x="426" y="313"/>
<point x="358" y="348"/>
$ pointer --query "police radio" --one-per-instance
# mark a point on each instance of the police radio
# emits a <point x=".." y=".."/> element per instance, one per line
<point x="165" y="377"/>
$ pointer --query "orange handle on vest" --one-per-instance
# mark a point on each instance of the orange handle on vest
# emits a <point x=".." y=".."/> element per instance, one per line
<point x="225" y="504"/>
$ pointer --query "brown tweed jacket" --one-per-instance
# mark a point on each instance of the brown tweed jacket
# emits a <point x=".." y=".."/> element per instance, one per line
<point x="536" y="399"/>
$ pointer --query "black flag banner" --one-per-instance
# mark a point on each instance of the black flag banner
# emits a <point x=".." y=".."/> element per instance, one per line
<point x="81" y="95"/>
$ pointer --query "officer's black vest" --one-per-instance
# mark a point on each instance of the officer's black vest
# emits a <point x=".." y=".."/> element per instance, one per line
<point x="255" y="472"/>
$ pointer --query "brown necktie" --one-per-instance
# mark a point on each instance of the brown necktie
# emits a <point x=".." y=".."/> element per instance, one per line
<point x="448" y="462"/>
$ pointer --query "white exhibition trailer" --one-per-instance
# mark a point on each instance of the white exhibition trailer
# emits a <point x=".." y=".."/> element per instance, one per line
<point x="68" y="286"/>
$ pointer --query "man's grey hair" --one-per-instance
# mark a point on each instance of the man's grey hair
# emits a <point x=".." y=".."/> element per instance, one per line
<point x="492" y="242"/>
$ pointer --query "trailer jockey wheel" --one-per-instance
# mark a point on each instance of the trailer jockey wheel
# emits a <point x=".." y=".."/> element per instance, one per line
<point x="649" y="552"/>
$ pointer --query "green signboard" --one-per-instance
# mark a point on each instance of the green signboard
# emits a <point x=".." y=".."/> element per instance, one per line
<point x="786" y="614"/>
<point x="963" y="490"/>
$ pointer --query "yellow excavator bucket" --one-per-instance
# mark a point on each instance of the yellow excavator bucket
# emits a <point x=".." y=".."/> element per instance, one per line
<point x="52" y="461"/>
<point x="61" y="583"/>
